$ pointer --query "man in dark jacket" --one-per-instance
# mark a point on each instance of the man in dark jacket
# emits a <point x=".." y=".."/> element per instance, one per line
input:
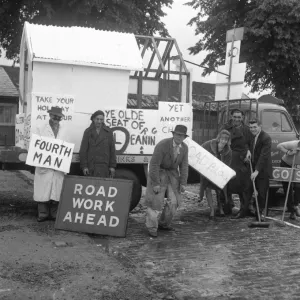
<point x="168" y="171"/>
<point x="261" y="163"/>
<point x="240" y="144"/>
<point x="97" y="151"/>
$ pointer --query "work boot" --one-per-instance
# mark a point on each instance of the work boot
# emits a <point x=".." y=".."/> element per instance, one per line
<point x="152" y="233"/>
<point x="293" y="215"/>
<point x="166" y="228"/>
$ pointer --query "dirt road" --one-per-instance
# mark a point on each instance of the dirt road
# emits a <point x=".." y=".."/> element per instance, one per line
<point x="202" y="259"/>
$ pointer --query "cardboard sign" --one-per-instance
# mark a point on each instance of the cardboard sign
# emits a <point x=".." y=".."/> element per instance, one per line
<point x="171" y="114"/>
<point x="19" y="130"/>
<point x="283" y="174"/>
<point x="208" y="165"/>
<point x="49" y="153"/>
<point x="41" y="103"/>
<point x="94" y="205"/>
<point x="134" y="130"/>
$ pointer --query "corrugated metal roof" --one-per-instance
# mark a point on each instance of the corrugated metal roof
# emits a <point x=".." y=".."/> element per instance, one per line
<point x="85" y="46"/>
<point x="7" y="88"/>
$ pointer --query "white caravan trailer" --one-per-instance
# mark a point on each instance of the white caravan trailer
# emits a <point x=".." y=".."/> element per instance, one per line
<point x="83" y="70"/>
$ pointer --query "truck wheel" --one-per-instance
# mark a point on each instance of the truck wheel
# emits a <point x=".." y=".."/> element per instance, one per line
<point x="137" y="187"/>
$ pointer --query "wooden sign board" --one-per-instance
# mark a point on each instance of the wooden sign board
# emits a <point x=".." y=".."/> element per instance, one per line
<point x="208" y="165"/>
<point x="283" y="174"/>
<point x="94" y="205"/>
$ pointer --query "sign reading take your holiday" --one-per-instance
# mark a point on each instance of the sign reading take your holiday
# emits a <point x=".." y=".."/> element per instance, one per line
<point x="94" y="205"/>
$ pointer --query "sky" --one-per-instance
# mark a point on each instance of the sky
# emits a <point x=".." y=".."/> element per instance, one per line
<point x="176" y="22"/>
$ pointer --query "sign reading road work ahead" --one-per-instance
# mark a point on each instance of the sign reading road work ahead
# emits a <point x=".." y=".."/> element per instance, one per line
<point x="49" y="153"/>
<point x="283" y="174"/>
<point x="208" y="165"/>
<point x="94" y="205"/>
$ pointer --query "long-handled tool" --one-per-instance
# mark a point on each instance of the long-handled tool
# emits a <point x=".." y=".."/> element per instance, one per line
<point x="259" y="223"/>
<point x="288" y="189"/>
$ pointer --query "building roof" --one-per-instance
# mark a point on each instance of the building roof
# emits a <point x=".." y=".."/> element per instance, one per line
<point x="7" y="85"/>
<point x="83" y="46"/>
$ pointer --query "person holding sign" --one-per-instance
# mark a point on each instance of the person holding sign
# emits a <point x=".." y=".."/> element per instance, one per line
<point x="97" y="151"/>
<point x="220" y="148"/>
<point x="290" y="149"/>
<point x="48" y="182"/>
<point x="168" y="171"/>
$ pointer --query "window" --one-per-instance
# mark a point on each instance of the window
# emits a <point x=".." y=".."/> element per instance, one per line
<point x="275" y="121"/>
<point x="7" y="114"/>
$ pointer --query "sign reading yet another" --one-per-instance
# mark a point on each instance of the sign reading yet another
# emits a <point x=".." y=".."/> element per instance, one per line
<point x="49" y="153"/>
<point x="94" y="205"/>
<point x="208" y="165"/>
<point x="283" y="174"/>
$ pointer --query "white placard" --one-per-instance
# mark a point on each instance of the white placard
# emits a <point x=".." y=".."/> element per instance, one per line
<point x="135" y="130"/>
<point x="235" y="52"/>
<point x="237" y="73"/>
<point x="41" y="103"/>
<point x="208" y="165"/>
<point x="236" y="92"/>
<point x="19" y="130"/>
<point x="49" y="153"/>
<point x="171" y="114"/>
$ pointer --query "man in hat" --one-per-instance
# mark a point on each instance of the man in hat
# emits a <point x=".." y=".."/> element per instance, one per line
<point x="48" y="182"/>
<point x="97" y="150"/>
<point x="168" y="171"/>
<point x="240" y="144"/>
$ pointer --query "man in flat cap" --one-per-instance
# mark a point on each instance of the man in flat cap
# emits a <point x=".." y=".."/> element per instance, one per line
<point x="97" y="151"/>
<point x="48" y="182"/>
<point x="168" y="171"/>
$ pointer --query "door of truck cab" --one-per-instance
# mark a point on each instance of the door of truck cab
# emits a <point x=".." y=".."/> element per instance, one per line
<point x="279" y="125"/>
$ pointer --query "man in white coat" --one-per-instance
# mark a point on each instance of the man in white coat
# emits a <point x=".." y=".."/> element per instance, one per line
<point x="48" y="182"/>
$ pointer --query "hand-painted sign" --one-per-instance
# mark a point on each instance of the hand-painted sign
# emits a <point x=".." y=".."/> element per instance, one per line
<point x="171" y="114"/>
<point x="208" y="165"/>
<point x="134" y="130"/>
<point x="49" y="153"/>
<point x="41" y="103"/>
<point x="19" y="130"/>
<point x="283" y="174"/>
<point x="94" y="205"/>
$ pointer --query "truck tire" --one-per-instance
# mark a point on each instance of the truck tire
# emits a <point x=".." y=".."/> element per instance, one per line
<point x="137" y="187"/>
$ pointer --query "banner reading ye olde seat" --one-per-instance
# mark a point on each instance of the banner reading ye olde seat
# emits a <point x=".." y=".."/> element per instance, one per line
<point x="94" y="205"/>
<point x="49" y="153"/>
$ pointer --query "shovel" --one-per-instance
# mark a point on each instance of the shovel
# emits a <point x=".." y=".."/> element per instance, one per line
<point x="259" y="224"/>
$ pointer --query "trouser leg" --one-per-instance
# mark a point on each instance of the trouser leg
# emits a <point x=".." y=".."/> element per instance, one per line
<point x="43" y="209"/>
<point x="152" y="219"/>
<point x="210" y="201"/>
<point x="153" y="215"/>
<point x="262" y="186"/>
<point x="53" y="208"/>
<point x="169" y="209"/>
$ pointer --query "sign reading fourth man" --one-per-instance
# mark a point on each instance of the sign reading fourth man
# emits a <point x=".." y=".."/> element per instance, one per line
<point x="94" y="205"/>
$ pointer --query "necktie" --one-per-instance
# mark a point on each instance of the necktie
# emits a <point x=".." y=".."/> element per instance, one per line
<point x="254" y="144"/>
<point x="176" y="152"/>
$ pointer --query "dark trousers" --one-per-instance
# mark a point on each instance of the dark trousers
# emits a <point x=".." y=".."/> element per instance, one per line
<point x="47" y="209"/>
<point x="262" y="186"/>
<point x="294" y="193"/>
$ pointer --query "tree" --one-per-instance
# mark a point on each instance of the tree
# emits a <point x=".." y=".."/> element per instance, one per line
<point x="134" y="16"/>
<point x="271" y="45"/>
